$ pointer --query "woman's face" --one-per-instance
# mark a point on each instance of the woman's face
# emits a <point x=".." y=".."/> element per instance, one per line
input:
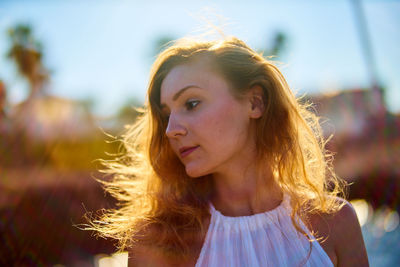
<point x="208" y="128"/>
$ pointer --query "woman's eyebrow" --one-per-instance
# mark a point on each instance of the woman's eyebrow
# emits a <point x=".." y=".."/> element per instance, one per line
<point x="180" y="92"/>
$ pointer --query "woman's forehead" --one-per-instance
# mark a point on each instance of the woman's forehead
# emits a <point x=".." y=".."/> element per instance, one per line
<point x="190" y="75"/>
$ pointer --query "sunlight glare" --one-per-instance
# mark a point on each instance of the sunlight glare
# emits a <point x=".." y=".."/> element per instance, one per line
<point x="116" y="260"/>
<point x="391" y="221"/>
<point x="362" y="209"/>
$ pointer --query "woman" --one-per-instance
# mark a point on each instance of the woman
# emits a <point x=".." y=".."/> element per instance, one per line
<point x="227" y="168"/>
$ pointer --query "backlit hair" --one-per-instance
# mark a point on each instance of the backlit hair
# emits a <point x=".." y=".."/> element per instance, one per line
<point x="161" y="205"/>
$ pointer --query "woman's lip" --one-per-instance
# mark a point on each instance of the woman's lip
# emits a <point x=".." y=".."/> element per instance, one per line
<point x="185" y="151"/>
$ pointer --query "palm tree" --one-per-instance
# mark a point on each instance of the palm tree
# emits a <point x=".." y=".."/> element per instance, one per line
<point x="27" y="54"/>
<point x="278" y="44"/>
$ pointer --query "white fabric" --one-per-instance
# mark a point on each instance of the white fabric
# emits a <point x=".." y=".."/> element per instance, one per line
<point x="264" y="239"/>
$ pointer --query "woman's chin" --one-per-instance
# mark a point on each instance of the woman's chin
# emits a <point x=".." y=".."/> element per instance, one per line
<point x="195" y="172"/>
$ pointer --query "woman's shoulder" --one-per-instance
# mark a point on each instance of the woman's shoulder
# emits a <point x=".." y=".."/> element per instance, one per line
<point x="149" y="255"/>
<point x="141" y="255"/>
<point x="340" y="235"/>
<point x="142" y="252"/>
<point x="346" y="213"/>
<point x="145" y="252"/>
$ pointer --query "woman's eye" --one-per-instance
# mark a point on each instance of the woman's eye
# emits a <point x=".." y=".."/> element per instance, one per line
<point x="191" y="104"/>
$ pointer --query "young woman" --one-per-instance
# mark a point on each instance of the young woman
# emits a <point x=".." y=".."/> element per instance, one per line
<point x="226" y="168"/>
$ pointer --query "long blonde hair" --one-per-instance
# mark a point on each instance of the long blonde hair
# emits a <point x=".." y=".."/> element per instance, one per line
<point x="161" y="205"/>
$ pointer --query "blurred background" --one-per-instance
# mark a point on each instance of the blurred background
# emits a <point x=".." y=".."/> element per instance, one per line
<point x="71" y="73"/>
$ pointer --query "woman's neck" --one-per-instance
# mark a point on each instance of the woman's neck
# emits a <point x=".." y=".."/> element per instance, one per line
<point x="246" y="191"/>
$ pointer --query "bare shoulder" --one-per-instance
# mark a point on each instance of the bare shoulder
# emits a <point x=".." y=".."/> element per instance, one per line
<point x="342" y="233"/>
<point x="348" y="238"/>
<point x="153" y="255"/>
<point x="140" y="255"/>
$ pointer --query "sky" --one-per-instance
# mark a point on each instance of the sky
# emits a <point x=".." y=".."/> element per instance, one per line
<point x="103" y="49"/>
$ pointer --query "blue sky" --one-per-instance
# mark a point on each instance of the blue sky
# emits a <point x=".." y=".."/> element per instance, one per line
<point x="103" y="50"/>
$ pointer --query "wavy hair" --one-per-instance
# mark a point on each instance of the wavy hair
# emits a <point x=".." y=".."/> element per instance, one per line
<point x="159" y="204"/>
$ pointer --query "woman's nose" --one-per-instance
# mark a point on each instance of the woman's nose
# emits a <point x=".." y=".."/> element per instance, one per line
<point x="175" y="128"/>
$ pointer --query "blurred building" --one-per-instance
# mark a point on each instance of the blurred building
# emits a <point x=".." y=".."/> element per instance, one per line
<point x="348" y="112"/>
<point x="366" y="143"/>
<point x="47" y="118"/>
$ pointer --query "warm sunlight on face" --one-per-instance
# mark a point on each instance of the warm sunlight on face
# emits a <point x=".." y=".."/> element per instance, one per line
<point x="208" y="128"/>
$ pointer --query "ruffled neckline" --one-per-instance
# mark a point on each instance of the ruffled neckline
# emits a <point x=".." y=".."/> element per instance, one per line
<point x="262" y="239"/>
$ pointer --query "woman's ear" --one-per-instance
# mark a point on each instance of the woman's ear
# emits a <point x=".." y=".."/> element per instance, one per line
<point x="256" y="98"/>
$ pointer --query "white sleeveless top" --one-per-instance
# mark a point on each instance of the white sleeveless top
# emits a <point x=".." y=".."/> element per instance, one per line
<point x="263" y="239"/>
